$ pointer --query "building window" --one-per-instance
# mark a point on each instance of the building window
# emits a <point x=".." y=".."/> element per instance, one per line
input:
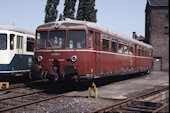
<point x="166" y="30"/>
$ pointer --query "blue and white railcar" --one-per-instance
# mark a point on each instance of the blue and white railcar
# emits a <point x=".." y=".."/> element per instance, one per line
<point x="16" y="51"/>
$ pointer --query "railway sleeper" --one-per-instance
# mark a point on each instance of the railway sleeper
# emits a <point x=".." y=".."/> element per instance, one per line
<point x="137" y="109"/>
<point x="146" y="103"/>
<point x="142" y="107"/>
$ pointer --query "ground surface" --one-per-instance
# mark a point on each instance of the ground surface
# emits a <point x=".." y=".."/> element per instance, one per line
<point x="127" y="88"/>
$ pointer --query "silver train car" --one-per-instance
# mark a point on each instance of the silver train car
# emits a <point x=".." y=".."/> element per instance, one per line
<point x="16" y="51"/>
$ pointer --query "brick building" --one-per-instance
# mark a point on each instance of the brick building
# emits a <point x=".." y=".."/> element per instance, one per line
<point x="157" y="32"/>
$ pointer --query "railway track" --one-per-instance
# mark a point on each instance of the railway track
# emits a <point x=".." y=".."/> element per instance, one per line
<point x="20" y="85"/>
<point x="15" y="103"/>
<point x="138" y="104"/>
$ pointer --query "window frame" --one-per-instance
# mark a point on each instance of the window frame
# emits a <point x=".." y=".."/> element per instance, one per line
<point x="106" y="38"/>
<point x="121" y="42"/>
<point x="30" y="40"/>
<point x="114" y="40"/>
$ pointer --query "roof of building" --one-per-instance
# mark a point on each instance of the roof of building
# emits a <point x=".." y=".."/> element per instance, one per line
<point x="16" y="29"/>
<point x="158" y="2"/>
<point x="69" y="23"/>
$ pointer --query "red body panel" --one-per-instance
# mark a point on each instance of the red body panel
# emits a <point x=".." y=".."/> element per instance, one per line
<point x="94" y="61"/>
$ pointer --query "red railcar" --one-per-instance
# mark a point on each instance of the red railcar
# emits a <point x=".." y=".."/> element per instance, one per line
<point x="86" y="50"/>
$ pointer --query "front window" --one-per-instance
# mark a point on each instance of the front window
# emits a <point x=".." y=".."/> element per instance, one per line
<point x="41" y="42"/>
<point x="3" y="41"/>
<point x="57" y="39"/>
<point x="76" y="39"/>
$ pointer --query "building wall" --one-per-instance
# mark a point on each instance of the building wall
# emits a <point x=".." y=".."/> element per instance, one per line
<point x="158" y="39"/>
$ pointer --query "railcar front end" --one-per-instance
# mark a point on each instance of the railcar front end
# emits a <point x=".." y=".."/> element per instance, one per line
<point x="63" y="54"/>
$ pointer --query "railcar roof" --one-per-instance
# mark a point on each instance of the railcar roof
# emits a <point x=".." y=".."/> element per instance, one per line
<point x="69" y="23"/>
<point x="16" y="29"/>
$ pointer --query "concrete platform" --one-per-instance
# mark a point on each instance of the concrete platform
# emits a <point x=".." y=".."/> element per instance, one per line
<point x="128" y="88"/>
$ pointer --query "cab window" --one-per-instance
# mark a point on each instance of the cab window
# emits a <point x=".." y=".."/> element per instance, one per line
<point x="76" y="39"/>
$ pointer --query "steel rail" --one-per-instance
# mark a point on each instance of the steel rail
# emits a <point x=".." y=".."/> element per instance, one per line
<point x="161" y="108"/>
<point x="16" y="107"/>
<point x="129" y="100"/>
<point x="18" y="96"/>
<point x="20" y="85"/>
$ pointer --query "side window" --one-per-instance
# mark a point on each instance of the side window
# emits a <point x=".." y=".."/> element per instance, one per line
<point x="18" y="42"/>
<point x="106" y="42"/>
<point x="131" y="49"/>
<point x="97" y="40"/>
<point x="12" y="41"/>
<point x="114" y="44"/>
<point x="147" y="52"/>
<point x="90" y="39"/>
<point x="143" y="51"/>
<point x="139" y="52"/>
<point x="150" y="51"/>
<point x="120" y="46"/>
<point x="126" y="48"/>
<point x="30" y="44"/>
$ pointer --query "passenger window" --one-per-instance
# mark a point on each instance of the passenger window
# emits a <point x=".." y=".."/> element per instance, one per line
<point x="131" y="49"/>
<point x="90" y="38"/>
<point x="30" y="44"/>
<point x="150" y="52"/>
<point x="120" y="46"/>
<point x="97" y="40"/>
<point x="143" y="51"/>
<point x="114" y="44"/>
<point x="139" y="52"/>
<point x="106" y="42"/>
<point x="12" y="41"/>
<point x="126" y="48"/>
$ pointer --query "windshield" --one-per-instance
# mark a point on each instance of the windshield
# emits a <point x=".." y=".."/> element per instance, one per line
<point x="41" y="42"/>
<point x="57" y="39"/>
<point x="3" y="41"/>
<point x="76" y="39"/>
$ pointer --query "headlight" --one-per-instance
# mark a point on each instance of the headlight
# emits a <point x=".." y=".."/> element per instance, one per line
<point x="74" y="58"/>
<point x="40" y="58"/>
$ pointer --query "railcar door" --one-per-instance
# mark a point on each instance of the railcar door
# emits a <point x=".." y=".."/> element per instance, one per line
<point x="19" y="53"/>
<point x="97" y="46"/>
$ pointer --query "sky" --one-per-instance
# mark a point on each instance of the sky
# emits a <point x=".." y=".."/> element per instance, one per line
<point x="123" y="16"/>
